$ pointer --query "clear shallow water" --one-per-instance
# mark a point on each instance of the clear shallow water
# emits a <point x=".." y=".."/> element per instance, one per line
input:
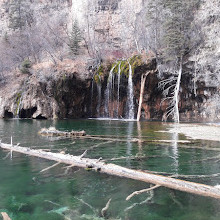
<point x="27" y="194"/>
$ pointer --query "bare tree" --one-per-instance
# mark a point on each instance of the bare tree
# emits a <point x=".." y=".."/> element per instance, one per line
<point x="176" y="43"/>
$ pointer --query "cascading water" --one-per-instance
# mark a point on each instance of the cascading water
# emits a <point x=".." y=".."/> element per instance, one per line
<point x="18" y="107"/>
<point x="108" y="92"/>
<point x="130" y="99"/>
<point x="99" y="90"/>
<point x="92" y="91"/>
<point x="119" y="76"/>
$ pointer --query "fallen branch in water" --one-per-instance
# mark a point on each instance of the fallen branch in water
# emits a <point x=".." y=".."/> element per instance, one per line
<point x="98" y="145"/>
<point x="141" y="191"/>
<point x="87" y="204"/>
<point x="196" y="176"/>
<point x="112" y="169"/>
<point x="148" y="199"/>
<point x="104" y="210"/>
<point x="131" y="158"/>
<point x="8" y="154"/>
<point x="209" y="158"/>
<point x="50" y="167"/>
<point x="5" y="216"/>
<point x="51" y="132"/>
<point x="175" y="200"/>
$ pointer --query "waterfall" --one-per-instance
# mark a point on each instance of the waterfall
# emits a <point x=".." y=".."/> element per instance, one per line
<point x="130" y="99"/>
<point x="109" y="92"/>
<point x="92" y="91"/>
<point x="99" y="89"/>
<point x="18" y="107"/>
<point x="119" y="76"/>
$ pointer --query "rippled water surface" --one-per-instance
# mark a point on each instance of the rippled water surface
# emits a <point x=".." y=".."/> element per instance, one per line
<point x="58" y="193"/>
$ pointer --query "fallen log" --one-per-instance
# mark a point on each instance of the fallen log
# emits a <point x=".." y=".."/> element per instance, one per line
<point x="51" y="131"/>
<point x="112" y="169"/>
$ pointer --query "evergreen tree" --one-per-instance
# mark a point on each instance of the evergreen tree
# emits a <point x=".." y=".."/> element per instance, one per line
<point x="75" y="39"/>
<point x="177" y="27"/>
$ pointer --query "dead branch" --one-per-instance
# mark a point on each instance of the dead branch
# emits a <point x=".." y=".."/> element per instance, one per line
<point x="104" y="210"/>
<point x="87" y="204"/>
<point x="8" y="154"/>
<point x="141" y="203"/>
<point x="54" y="203"/>
<point x="83" y="154"/>
<point x="131" y="158"/>
<point x="50" y="167"/>
<point x="185" y="176"/>
<point x="97" y="145"/>
<point x="209" y="158"/>
<point x="172" y="194"/>
<point x="70" y="166"/>
<point x="5" y="216"/>
<point x="141" y="191"/>
<point x="53" y="132"/>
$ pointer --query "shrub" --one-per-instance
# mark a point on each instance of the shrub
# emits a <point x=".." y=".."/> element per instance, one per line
<point x="25" y="66"/>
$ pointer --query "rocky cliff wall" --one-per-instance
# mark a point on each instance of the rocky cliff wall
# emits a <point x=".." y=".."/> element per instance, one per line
<point x="111" y="30"/>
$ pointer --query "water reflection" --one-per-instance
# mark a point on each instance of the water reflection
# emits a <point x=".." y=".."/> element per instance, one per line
<point x="140" y="146"/>
<point x="130" y="129"/>
<point x="175" y="153"/>
<point x="21" y="182"/>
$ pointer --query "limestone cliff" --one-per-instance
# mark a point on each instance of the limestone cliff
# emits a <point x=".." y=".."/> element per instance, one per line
<point x="59" y="84"/>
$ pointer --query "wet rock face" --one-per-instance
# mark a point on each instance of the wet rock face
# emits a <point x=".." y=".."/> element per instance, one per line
<point x="109" y="27"/>
<point x="64" y="95"/>
<point x="72" y="97"/>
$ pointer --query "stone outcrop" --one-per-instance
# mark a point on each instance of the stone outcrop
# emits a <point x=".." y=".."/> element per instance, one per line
<point x="112" y="30"/>
<point x="49" y="92"/>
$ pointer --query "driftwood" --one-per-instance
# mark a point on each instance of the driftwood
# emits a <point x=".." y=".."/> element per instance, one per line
<point x="143" y="79"/>
<point x="147" y="200"/>
<point x="50" y="167"/>
<point x="142" y="191"/>
<point x="104" y="210"/>
<point x="112" y="169"/>
<point x="5" y="216"/>
<point x="53" y="132"/>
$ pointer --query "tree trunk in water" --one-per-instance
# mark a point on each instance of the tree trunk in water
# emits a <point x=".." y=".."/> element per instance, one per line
<point x="176" y="94"/>
<point x="112" y="169"/>
<point x="143" y="80"/>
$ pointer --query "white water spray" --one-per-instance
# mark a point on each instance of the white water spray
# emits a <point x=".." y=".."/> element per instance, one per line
<point x="130" y="100"/>
<point x="99" y="89"/>
<point x="119" y="77"/>
<point x="108" y="92"/>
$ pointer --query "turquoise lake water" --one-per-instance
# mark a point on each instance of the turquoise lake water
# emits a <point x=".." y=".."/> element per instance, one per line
<point x="27" y="194"/>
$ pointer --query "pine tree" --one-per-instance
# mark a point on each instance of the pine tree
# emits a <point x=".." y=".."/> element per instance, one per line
<point x="177" y="27"/>
<point x="75" y="39"/>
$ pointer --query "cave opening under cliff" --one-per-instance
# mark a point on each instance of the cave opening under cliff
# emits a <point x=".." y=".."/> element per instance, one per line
<point x="8" y="114"/>
<point x="27" y="113"/>
<point x="41" y="117"/>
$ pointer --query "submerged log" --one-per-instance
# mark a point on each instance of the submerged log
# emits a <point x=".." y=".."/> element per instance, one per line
<point x="112" y="169"/>
<point x="82" y="135"/>
<point x="53" y="132"/>
<point x="5" y="216"/>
